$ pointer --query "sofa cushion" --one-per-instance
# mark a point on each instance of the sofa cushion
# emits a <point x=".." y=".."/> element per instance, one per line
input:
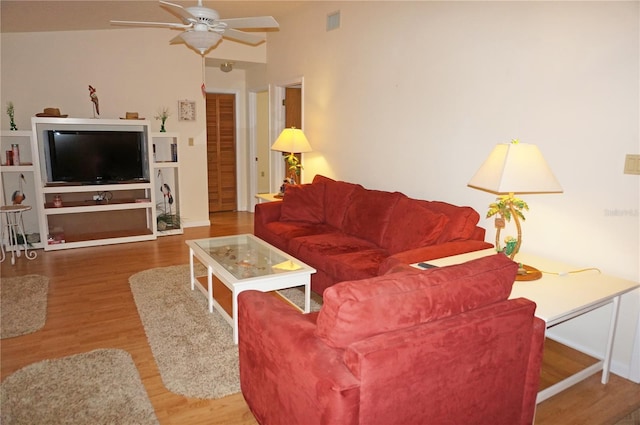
<point x="316" y="248"/>
<point x="462" y="220"/>
<point x="359" y="309"/>
<point x="355" y="265"/>
<point x="303" y="202"/>
<point x="337" y="195"/>
<point x="368" y="213"/>
<point x="412" y="225"/>
<point x="281" y="233"/>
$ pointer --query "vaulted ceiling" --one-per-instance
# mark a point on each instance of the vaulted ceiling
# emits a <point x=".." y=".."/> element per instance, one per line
<point x="52" y="15"/>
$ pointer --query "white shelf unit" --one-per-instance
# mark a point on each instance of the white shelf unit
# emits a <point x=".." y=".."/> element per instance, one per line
<point x="10" y="176"/>
<point x="126" y="213"/>
<point x="166" y="180"/>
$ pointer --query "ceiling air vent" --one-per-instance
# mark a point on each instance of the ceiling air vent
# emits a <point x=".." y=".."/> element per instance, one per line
<point x="333" y="21"/>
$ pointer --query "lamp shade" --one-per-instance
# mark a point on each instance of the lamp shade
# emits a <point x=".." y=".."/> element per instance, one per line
<point x="515" y="168"/>
<point x="291" y="140"/>
<point x="200" y="40"/>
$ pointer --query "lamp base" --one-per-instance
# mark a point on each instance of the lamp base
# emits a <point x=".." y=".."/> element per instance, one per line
<point x="526" y="273"/>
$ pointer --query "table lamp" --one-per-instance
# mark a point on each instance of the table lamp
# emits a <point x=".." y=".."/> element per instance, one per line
<point x="292" y="141"/>
<point x="514" y="168"/>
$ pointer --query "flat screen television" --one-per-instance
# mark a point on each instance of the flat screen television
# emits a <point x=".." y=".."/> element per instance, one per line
<point x="96" y="157"/>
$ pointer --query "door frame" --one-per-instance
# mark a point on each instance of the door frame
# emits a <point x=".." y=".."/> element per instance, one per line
<point x="276" y="168"/>
<point x="241" y="151"/>
<point x="253" y="143"/>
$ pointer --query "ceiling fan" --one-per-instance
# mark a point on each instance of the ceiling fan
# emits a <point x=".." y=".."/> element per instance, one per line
<point x="204" y="28"/>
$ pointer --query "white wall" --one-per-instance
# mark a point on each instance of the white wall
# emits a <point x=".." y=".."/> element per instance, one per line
<point x="134" y="70"/>
<point x="412" y="96"/>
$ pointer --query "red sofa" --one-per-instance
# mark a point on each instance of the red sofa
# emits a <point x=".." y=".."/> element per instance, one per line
<point x="440" y="346"/>
<point x="347" y="232"/>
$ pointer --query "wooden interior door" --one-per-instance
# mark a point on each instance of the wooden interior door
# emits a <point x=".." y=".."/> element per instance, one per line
<point x="292" y="116"/>
<point x="221" y="152"/>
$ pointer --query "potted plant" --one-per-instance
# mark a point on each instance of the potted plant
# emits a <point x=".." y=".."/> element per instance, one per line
<point x="162" y="115"/>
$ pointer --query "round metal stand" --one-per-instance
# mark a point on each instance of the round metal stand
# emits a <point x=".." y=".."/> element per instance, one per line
<point x="12" y="215"/>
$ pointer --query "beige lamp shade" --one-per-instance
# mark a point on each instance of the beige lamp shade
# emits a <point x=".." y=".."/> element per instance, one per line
<point x="515" y="168"/>
<point x="291" y="140"/>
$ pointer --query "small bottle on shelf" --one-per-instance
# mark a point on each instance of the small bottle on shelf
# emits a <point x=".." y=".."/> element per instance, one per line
<point x="15" y="148"/>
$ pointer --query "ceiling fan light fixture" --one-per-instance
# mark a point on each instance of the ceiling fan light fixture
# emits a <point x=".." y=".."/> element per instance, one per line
<point x="204" y="28"/>
<point x="226" y="66"/>
<point x="201" y="40"/>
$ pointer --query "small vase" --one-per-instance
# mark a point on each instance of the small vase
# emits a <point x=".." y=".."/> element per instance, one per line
<point x="13" y="125"/>
<point x="162" y="129"/>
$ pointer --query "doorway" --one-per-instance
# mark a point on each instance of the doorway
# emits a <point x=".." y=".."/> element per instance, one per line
<point x="274" y="119"/>
<point x="292" y="118"/>
<point x="221" y="152"/>
<point x="288" y="112"/>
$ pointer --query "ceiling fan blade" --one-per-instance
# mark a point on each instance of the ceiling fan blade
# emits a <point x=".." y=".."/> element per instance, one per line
<point x="255" y="22"/>
<point x="244" y="37"/>
<point x="178" y="11"/>
<point x="152" y="24"/>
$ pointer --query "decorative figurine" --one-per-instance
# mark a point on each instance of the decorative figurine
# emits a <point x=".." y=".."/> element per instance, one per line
<point x="94" y="99"/>
<point x="10" y="112"/>
<point x="510" y="244"/>
<point x="18" y="196"/>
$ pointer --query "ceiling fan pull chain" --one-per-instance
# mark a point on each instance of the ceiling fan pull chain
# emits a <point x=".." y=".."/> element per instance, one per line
<point x="203" y="87"/>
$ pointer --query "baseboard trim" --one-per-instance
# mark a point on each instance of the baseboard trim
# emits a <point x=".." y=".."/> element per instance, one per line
<point x="204" y="223"/>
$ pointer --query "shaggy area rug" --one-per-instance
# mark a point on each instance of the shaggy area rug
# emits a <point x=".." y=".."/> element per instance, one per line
<point x="98" y="387"/>
<point x="193" y="348"/>
<point x="23" y="304"/>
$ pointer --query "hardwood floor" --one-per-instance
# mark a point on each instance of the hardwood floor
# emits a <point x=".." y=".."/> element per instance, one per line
<point x="91" y="306"/>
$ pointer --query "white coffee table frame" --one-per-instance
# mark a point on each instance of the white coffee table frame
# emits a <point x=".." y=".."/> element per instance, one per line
<point x="268" y="281"/>
<point x="562" y="297"/>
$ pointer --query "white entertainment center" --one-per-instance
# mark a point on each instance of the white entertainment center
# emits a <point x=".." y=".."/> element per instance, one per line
<point x="69" y="214"/>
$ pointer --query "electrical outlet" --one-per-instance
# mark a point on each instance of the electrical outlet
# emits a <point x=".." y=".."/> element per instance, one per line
<point x="190" y="141"/>
<point x="632" y="164"/>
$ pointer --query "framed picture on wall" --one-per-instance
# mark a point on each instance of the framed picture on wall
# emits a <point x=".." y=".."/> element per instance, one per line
<point x="186" y="110"/>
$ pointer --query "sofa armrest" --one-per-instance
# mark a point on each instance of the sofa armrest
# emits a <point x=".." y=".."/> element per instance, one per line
<point x="287" y="374"/>
<point x="431" y="252"/>
<point x="267" y="212"/>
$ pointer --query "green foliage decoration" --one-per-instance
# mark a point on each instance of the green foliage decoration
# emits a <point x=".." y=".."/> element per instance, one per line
<point x="505" y="205"/>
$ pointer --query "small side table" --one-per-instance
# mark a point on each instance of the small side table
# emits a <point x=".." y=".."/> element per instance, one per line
<point x="13" y="216"/>
<point x="268" y="197"/>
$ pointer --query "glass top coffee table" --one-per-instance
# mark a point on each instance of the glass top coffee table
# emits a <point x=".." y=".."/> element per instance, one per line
<point x="244" y="262"/>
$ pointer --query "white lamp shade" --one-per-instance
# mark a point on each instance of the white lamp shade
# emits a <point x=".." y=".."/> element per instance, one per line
<point x="291" y="140"/>
<point x="515" y="168"/>
<point x="201" y="40"/>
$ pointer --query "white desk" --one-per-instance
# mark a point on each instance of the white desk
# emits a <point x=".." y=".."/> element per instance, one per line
<point x="562" y="297"/>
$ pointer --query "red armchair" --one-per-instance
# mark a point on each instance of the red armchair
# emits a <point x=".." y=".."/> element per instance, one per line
<point x="441" y="346"/>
